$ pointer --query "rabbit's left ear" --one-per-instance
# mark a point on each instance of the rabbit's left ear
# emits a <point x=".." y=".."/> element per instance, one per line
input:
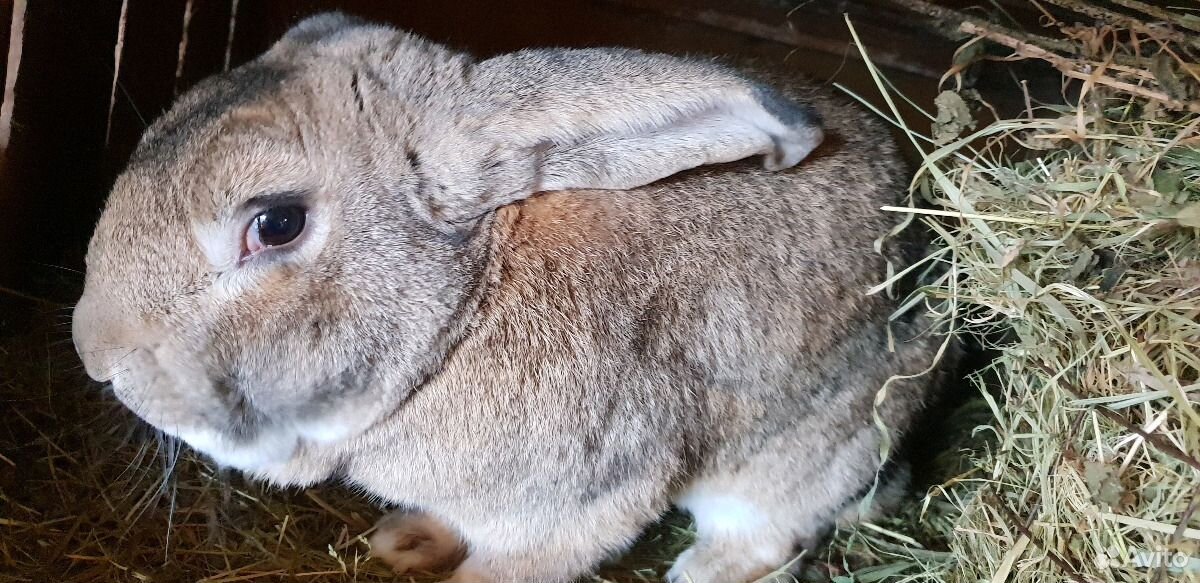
<point x="545" y="120"/>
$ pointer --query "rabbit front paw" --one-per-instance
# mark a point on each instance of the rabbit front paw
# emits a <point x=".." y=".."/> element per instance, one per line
<point x="727" y="561"/>
<point x="411" y="541"/>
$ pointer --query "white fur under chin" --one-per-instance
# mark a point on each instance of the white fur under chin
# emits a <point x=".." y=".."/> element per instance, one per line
<point x="271" y="454"/>
<point x="325" y="432"/>
<point x="269" y="448"/>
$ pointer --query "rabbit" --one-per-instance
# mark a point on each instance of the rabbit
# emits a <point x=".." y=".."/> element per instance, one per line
<point x="535" y="299"/>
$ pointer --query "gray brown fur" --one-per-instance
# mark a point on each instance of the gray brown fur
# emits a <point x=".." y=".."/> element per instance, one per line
<point x="543" y="373"/>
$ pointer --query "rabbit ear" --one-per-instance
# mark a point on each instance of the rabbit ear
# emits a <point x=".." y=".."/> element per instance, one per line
<point x="563" y="119"/>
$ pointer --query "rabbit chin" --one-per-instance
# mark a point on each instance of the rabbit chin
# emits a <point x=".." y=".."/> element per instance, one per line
<point x="269" y="447"/>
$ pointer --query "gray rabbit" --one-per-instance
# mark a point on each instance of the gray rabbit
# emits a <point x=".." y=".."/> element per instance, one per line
<point x="515" y="296"/>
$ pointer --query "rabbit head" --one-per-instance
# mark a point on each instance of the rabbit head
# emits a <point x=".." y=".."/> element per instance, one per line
<point x="300" y="241"/>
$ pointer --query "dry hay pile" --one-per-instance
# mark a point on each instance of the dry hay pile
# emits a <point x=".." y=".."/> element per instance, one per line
<point x="1067" y="239"/>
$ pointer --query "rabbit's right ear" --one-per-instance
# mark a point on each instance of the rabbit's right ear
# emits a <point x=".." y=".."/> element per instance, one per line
<point x="562" y="119"/>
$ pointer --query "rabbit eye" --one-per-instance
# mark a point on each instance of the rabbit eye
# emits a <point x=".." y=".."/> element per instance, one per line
<point x="275" y="226"/>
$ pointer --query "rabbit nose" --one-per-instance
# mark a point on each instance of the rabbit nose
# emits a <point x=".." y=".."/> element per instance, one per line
<point x="101" y="337"/>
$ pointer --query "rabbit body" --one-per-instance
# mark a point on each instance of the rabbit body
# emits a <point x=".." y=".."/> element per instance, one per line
<point x="678" y="343"/>
<point x="545" y="366"/>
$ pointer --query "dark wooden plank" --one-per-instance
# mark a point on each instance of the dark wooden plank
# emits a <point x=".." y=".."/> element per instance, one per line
<point x="207" y="34"/>
<point x="820" y="26"/>
<point x="6" y="11"/>
<point x="52" y="187"/>
<point x="147" y="73"/>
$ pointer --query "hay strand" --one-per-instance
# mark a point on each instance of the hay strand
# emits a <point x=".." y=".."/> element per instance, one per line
<point x="118" y="51"/>
<point x="1070" y="68"/>
<point x="233" y="15"/>
<point x="181" y="58"/>
<point x="15" y="43"/>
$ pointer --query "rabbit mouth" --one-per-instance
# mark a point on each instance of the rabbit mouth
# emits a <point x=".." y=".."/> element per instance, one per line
<point x="235" y="435"/>
<point x="266" y="447"/>
<point x="212" y="417"/>
<point x="216" y="414"/>
<point x="232" y="438"/>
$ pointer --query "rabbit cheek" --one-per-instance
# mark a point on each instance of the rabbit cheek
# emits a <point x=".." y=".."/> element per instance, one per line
<point x="342" y="406"/>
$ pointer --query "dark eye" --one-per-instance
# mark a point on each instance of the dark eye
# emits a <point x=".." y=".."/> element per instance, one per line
<point x="274" y="227"/>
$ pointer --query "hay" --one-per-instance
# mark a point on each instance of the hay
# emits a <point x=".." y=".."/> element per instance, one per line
<point x="118" y="52"/>
<point x="1067" y="240"/>
<point x="13" y="67"/>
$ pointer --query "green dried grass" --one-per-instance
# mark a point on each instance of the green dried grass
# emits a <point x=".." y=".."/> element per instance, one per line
<point x="1067" y="239"/>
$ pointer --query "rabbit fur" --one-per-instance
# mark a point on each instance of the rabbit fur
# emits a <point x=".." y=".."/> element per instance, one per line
<point x="538" y="298"/>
